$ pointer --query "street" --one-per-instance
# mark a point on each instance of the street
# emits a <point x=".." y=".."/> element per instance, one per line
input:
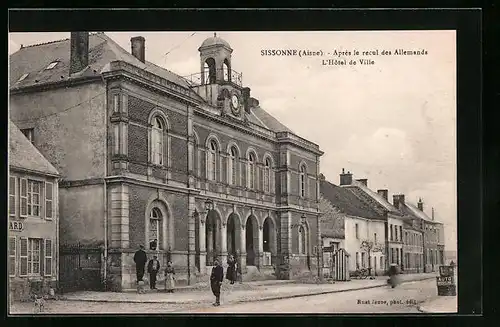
<point x="403" y="299"/>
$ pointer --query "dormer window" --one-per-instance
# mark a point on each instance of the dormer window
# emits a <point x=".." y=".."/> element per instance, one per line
<point x="23" y="77"/>
<point x="52" y="65"/>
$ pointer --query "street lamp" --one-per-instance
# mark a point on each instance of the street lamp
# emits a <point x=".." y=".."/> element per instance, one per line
<point x="303" y="219"/>
<point x="209" y="205"/>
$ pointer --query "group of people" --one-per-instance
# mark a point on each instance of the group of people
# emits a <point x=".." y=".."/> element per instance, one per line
<point x="216" y="277"/>
<point x="140" y="259"/>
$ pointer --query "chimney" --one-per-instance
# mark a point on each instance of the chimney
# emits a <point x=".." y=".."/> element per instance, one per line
<point x="420" y="204"/>
<point x="384" y="194"/>
<point x="432" y="215"/>
<point x="398" y="200"/>
<point x="137" y="44"/>
<point x="345" y="179"/>
<point x="79" y="52"/>
<point x="363" y="181"/>
<point x="245" y="92"/>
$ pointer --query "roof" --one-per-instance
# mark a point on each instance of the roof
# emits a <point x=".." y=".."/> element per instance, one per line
<point x="24" y="155"/>
<point x="347" y="202"/>
<point x="33" y="60"/>
<point x="261" y="117"/>
<point x="359" y="188"/>
<point x="412" y="210"/>
<point x="214" y="40"/>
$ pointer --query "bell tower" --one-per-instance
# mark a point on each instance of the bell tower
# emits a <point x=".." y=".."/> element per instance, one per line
<point x="217" y="83"/>
<point x="215" y="60"/>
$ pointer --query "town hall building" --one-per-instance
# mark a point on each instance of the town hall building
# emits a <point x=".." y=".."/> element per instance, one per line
<point x="191" y="167"/>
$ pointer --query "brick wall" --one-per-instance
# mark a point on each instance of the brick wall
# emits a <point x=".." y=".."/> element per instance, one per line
<point x="138" y="143"/>
<point x="176" y="203"/>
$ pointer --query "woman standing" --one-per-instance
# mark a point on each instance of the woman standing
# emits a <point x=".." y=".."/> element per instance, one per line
<point x="169" y="278"/>
<point x="231" y="269"/>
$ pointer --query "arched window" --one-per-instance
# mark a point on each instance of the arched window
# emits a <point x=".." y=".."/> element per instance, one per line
<point x="302" y="240"/>
<point x="267" y="176"/>
<point x="157" y="141"/>
<point x="302" y="181"/>
<point x="251" y="171"/>
<point x="209" y="71"/>
<point x="231" y="166"/>
<point x="212" y="161"/>
<point x="226" y="71"/>
<point x="155" y="227"/>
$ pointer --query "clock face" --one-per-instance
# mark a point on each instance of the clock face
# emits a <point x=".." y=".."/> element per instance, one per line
<point x="234" y="101"/>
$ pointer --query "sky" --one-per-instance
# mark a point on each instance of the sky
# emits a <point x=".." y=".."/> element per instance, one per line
<point x="392" y="122"/>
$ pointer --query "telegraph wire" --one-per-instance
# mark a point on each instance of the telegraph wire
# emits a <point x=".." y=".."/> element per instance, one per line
<point x="95" y="96"/>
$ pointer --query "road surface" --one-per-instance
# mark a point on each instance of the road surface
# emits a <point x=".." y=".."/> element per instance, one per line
<point x="403" y="299"/>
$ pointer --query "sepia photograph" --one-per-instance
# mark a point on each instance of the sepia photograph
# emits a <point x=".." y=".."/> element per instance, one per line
<point x="232" y="172"/>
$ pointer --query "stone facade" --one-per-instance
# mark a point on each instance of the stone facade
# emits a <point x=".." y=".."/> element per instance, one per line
<point x="158" y="151"/>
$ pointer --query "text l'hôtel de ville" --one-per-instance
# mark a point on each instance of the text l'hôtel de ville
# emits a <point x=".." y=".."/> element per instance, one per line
<point x="339" y="57"/>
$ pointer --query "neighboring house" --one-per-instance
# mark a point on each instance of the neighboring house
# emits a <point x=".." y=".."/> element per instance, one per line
<point x="393" y="218"/>
<point x="364" y="227"/>
<point x="193" y="165"/>
<point x="433" y="233"/>
<point x="33" y="219"/>
<point x="413" y="247"/>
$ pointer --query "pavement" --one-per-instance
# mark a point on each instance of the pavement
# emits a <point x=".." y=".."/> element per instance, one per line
<point x="240" y="293"/>
<point x="441" y="304"/>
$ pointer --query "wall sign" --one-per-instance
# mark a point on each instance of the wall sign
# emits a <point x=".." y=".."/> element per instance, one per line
<point x="16" y="226"/>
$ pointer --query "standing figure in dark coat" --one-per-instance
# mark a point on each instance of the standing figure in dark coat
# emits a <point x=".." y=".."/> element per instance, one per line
<point x="393" y="272"/>
<point x="140" y="260"/>
<point x="231" y="269"/>
<point x="153" y="268"/>
<point x="216" y="279"/>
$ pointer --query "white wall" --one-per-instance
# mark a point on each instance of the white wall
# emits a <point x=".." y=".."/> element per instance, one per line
<point x="366" y="231"/>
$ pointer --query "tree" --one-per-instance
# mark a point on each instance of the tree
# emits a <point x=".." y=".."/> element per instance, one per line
<point x="371" y="247"/>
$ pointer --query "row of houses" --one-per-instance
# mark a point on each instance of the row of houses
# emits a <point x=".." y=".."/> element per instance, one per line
<point x="375" y="232"/>
<point x="119" y="152"/>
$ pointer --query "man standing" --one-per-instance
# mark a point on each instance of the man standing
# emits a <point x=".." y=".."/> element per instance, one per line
<point x="140" y="260"/>
<point x="216" y="279"/>
<point x="153" y="268"/>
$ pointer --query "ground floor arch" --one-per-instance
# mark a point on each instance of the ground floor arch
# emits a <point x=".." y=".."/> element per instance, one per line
<point x="213" y="237"/>
<point x="269" y="242"/>
<point x="252" y="240"/>
<point x="233" y="235"/>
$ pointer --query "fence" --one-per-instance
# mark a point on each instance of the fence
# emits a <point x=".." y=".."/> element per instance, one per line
<point x="80" y="268"/>
<point x="339" y="268"/>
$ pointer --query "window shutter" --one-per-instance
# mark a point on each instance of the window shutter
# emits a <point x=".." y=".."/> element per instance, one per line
<point x="48" y="258"/>
<point x="23" y="256"/>
<point x="49" y="196"/>
<point x="12" y="195"/>
<point x="12" y="256"/>
<point x="24" y="198"/>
